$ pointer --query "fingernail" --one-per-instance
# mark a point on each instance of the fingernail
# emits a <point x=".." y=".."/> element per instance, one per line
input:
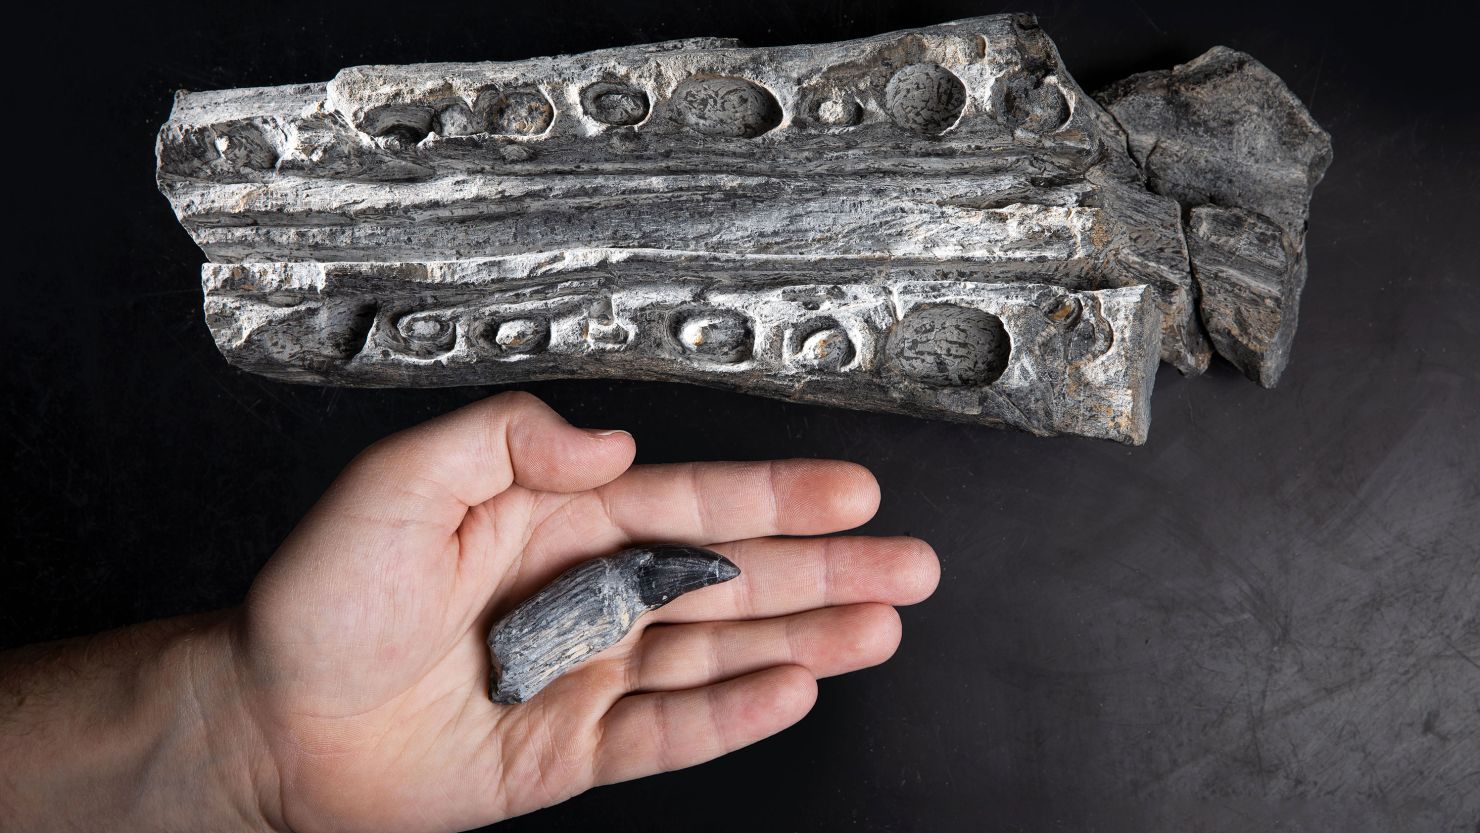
<point x="603" y="432"/>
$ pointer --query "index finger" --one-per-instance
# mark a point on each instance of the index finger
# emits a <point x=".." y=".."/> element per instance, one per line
<point x="705" y="503"/>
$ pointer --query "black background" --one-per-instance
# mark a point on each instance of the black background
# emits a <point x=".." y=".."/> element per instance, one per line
<point x="1264" y="619"/>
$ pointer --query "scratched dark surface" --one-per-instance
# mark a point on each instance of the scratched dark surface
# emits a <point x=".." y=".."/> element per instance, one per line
<point x="1267" y="618"/>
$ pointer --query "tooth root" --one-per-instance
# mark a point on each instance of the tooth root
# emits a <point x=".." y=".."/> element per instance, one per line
<point x="589" y="608"/>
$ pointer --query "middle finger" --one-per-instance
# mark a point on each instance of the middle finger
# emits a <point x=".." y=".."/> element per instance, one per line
<point x="779" y="576"/>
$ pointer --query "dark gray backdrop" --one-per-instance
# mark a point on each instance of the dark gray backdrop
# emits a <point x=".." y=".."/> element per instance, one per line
<point x="1264" y="619"/>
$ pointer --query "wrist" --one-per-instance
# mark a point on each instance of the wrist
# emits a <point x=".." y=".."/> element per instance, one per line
<point x="144" y="726"/>
<point x="220" y="751"/>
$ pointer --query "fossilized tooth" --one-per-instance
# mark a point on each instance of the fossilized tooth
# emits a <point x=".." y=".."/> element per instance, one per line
<point x="589" y="608"/>
<point x="856" y="333"/>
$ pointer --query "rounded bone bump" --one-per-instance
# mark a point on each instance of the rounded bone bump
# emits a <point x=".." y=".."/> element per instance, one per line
<point x="521" y="335"/>
<point x="426" y="334"/>
<point x="520" y="112"/>
<point x="456" y="119"/>
<point x="839" y="111"/>
<point x="828" y="349"/>
<point x="926" y="98"/>
<point x="618" y="105"/>
<point x="588" y="609"/>
<point x="717" y="335"/>
<point x="726" y="107"/>
<point x="950" y="346"/>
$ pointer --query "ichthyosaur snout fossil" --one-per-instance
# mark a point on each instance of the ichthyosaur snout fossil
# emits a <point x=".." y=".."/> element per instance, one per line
<point x="937" y="222"/>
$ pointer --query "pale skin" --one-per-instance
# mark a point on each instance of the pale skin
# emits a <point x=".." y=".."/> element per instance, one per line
<point x="349" y="692"/>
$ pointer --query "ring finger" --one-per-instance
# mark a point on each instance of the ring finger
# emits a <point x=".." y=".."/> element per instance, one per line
<point x="828" y="641"/>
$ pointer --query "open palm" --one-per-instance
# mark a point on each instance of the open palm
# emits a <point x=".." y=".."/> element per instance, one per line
<point x="361" y="647"/>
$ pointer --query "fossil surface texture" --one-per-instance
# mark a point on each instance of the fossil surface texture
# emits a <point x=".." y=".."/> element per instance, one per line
<point x="936" y="222"/>
<point x="1225" y="138"/>
<point x="588" y="609"/>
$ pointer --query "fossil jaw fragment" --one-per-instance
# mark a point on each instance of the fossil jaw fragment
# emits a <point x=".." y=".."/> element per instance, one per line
<point x="588" y="609"/>
<point x="445" y="224"/>
<point x="852" y="332"/>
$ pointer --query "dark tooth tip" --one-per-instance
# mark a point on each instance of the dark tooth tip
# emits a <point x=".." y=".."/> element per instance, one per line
<point x="671" y="571"/>
<point x="725" y="569"/>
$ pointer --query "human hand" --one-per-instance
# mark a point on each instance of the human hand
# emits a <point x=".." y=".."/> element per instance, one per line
<point x="360" y="659"/>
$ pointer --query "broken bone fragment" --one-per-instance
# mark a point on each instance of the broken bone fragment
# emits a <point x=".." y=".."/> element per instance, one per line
<point x="1229" y="141"/>
<point x="1250" y="278"/>
<point x="588" y="609"/>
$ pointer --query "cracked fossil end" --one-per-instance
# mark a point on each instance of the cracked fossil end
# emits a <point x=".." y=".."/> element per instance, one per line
<point x="1226" y="138"/>
<point x="589" y="608"/>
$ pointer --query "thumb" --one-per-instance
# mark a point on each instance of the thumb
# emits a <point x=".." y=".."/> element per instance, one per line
<point x="428" y="475"/>
<point x="375" y="565"/>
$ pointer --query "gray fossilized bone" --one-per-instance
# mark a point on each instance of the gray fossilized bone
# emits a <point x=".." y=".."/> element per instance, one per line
<point x="1228" y="140"/>
<point x="588" y="609"/>
<point x="924" y="341"/>
<point x="898" y="203"/>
